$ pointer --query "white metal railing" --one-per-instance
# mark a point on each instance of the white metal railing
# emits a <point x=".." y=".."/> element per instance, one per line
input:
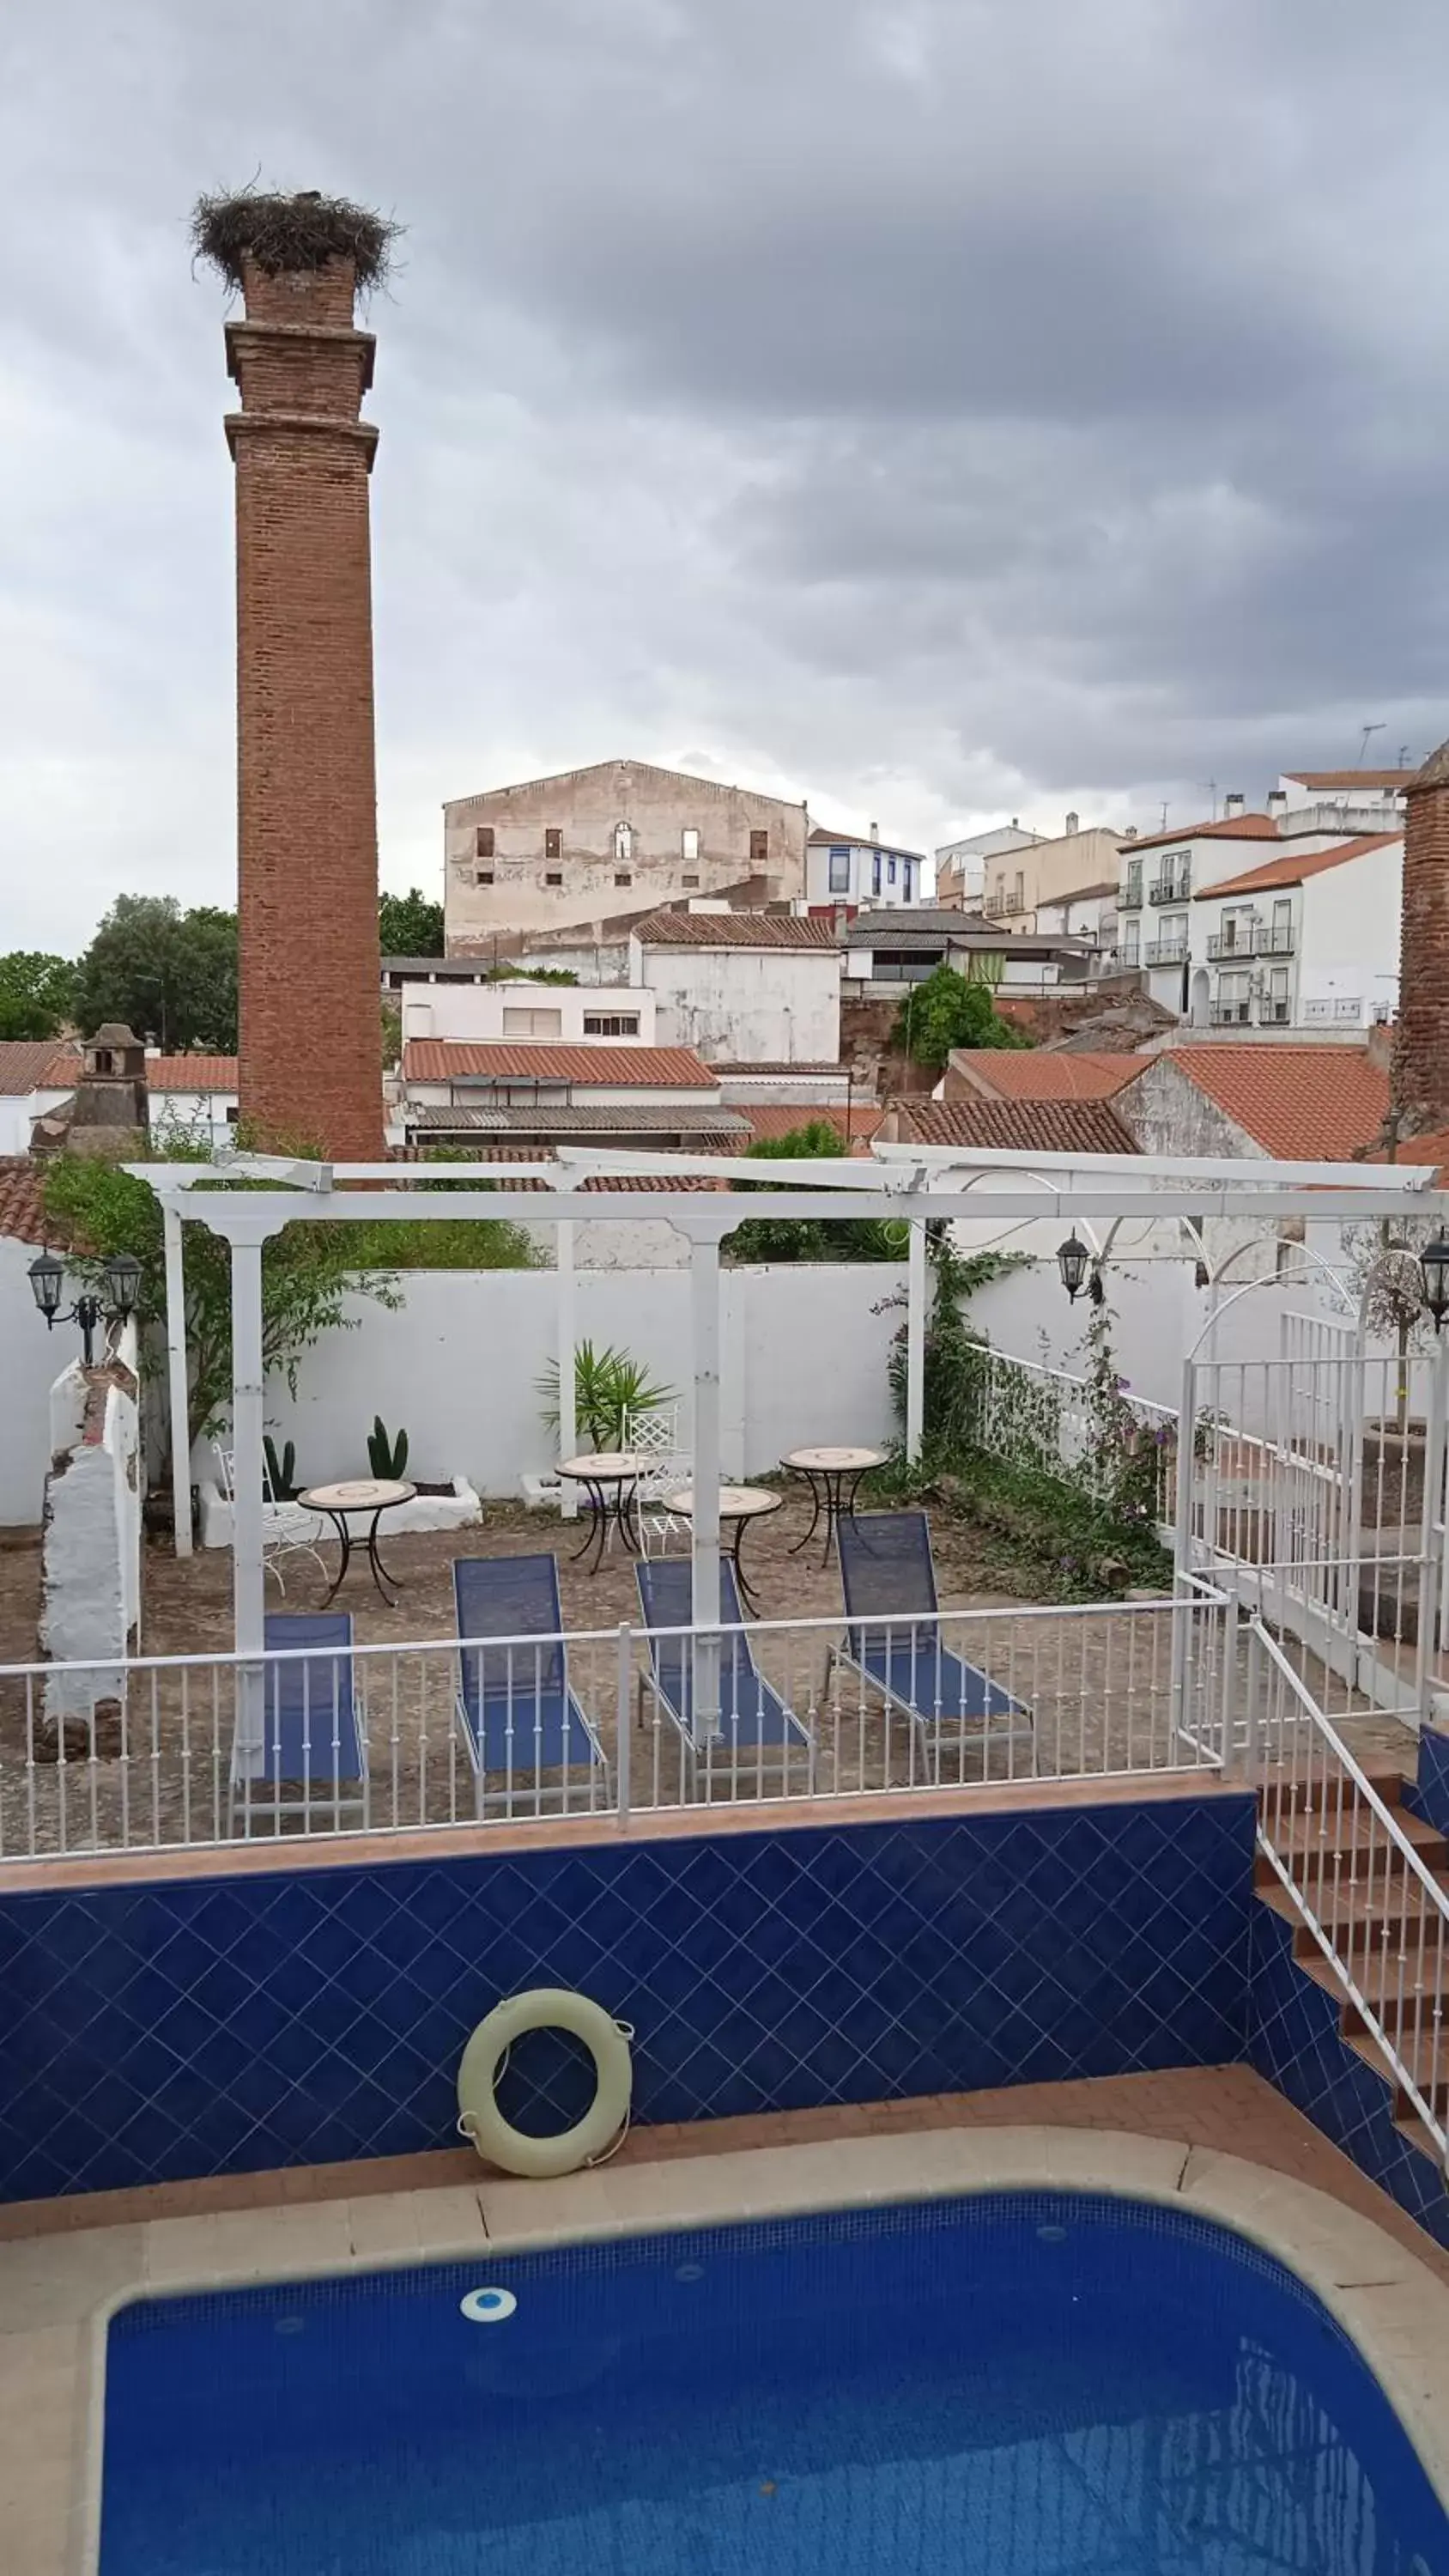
<point x="193" y="1751"/>
<point x="1029" y="1414"/>
<point x="1373" y="1905"/>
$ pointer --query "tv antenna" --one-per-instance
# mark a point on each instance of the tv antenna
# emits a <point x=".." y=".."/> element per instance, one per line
<point x="1367" y="731"/>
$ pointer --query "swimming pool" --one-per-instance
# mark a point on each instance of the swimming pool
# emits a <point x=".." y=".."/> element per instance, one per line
<point x="1030" y="2384"/>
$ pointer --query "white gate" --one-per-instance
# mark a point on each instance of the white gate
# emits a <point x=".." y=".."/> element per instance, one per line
<point x="1312" y="1485"/>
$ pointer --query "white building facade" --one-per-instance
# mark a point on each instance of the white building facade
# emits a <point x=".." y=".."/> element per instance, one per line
<point x="561" y="1014"/>
<point x="841" y="867"/>
<point x="1303" y="942"/>
<point x="741" y="988"/>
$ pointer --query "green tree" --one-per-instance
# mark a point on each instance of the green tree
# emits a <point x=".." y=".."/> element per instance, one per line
<point x="37" y="993"/>
<point x="171" y="975"/>
<point x="947" y="1011"/>
<point x="408" y="925"/>
<point x="810" y="1238"/>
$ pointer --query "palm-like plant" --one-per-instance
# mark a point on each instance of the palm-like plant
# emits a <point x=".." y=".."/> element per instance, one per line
<point x="608" y="1387"/>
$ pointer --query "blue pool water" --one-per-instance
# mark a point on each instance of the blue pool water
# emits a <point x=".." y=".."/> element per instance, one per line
<point x="1019" y="2385"/>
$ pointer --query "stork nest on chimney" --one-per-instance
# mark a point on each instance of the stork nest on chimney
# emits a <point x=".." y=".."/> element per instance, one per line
<point x="290" y="232"/>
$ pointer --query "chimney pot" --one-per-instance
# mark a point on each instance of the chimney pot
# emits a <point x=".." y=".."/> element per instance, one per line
<point x="1074" y="824"/>
<point x="1233" y="804"/>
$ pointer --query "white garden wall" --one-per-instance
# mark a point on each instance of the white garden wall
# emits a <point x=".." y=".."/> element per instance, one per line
<point x="30" y="1362"/>
<point x="803" y="1359"/>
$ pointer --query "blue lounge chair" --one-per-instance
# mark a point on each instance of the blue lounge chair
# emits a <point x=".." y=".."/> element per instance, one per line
<point x="312" y="1759"/>
<point x="887" y="1574"/>
<point x="518" y="1716"/>
<point x="754" y="1720"/>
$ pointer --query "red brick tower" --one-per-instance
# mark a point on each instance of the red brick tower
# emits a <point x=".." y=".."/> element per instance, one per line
<point x="310" y="1016"/>
<point x="1421" y="1040"/>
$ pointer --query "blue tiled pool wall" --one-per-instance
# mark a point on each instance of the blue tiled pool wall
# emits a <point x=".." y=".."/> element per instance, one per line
<point x="161" y="2032"/>
<point x="1296" y="2043"/>
<point x="1429" y="1797"/>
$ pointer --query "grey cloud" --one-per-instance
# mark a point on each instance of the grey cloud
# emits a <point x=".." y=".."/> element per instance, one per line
<point x="932" y="405"/>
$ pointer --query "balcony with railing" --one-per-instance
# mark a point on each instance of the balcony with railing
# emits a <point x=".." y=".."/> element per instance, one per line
<point x="1274" y="1011"/>
<point x="1130" y="898"/>
<point x="1231" y="1015"/>
<point x="1173" y="887"/>
<point x="1166" y="952"/>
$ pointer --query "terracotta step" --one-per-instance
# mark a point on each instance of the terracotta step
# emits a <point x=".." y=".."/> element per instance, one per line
<point x="1329" y="1788"/>
<point x="1399" y="1998"/>
<point x="1426" y="2061"/>
<point x="1351" y="1833"/>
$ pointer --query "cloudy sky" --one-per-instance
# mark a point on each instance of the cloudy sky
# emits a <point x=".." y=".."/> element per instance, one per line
<point x="944" y="409"/>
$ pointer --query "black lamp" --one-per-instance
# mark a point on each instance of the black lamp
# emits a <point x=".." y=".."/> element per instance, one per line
<point x="1074" y="1261"/>
<point x="123" y="1281"/>
<point x="1434" y="1269"/>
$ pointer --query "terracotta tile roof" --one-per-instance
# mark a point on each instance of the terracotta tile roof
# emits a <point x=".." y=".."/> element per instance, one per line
<point x="504" y="1154"/>
<point x="820" y="839"/>
<point x="1291" y="870"/>
<point x="1235" y="827"/>
<point x="610" y="1067"/>
<point x="1039" y="1073"/>
<point x="22" y="1184"/>
<point x="780" y="1118"/>
<point x="734" y="930"/>
<point x="37" y="1064"/>
<point x="191" y="1073"/>
<point x="1028" y="1126"/>
<point x="1432" y="1147"/>
<point x="1339" y="778"/>
<point x="1301" y="1104"/>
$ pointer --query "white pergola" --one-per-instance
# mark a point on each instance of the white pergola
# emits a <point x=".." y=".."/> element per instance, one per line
<point x="920" y="1184"/>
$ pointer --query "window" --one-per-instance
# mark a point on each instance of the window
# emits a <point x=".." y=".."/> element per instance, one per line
<point x="689" y="845"/>
<point x="905" y="881"/>
<point x="622" y="877"/>
<point x="1131" y="933"/>
<point x="890" y="872"/>
<point x="1018" y="900"/>
<point x="759" y="848"/>
<point x="623" y="848"/>
<point x="553" y="842"/>
<point x="690" y="879"/>
<point x="875" y="873"/>
<point x="532" y="1024"/>
<point x="483" y="841"/>
<point x="840" y="871"/>
<point x="482" y="876"/>
<point x="611" y="1024"/>
<point x="553" y="876"/>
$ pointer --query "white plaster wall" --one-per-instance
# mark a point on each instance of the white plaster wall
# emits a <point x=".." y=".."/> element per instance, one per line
<point x="18" y="1113"/>
<point x="803" y="1359"/>
<point x="745" y="1005"/>
<point x="1349" y="932"/>
<point x="474" y="1013"/>
<point x="30" y="1358"/>
<point x="616" y="1244"/>
<point x="203" y="1114"/>
<point x="91" y="1559"/>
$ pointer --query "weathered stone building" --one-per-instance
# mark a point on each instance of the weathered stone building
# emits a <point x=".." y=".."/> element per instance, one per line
<point x="618" y="838"/>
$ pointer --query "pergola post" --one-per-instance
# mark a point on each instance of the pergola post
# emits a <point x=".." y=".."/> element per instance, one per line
<point x="916" y="1340"/>
<point x="178" y="1391"/>
<point x="567" y="1332"/>
<point x="248" y="1574"/>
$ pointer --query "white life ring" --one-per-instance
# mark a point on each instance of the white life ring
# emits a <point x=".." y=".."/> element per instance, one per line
<point x="479" y="2118"/>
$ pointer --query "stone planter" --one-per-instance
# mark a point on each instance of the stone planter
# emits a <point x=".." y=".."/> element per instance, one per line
<point x="459" y="1508"/>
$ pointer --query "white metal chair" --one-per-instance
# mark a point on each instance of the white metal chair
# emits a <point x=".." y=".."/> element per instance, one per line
<point x="287" y="1530"/>
<point x="653" y="1438"/>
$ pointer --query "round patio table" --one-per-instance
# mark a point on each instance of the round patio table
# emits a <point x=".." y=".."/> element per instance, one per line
<point x="361" y="1494"/>
<point x="740" y="1504"/>
<point x="828" y="1472"/>
<point x="608" y="1477"/>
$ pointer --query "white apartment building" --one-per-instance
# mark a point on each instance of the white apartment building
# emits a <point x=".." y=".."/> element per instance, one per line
<point x="1307" y="940"/>
<point x="961" y="865"/>
<point x="1020" y="881"/>
<point x="843" y="867"/>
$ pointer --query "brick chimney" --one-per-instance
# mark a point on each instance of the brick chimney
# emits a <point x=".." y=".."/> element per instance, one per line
<point x="310" y="975"/>
<point x="1421" y="1039"/>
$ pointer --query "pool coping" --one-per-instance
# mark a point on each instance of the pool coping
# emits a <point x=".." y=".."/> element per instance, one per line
<point x="1395" y="2308"/>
